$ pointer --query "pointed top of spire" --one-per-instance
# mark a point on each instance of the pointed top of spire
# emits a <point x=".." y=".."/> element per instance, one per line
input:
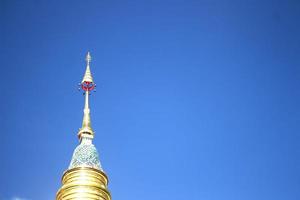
<point x="88" y="75"/>
<point x="88" y="57"/>
<point x="87" y="84"/>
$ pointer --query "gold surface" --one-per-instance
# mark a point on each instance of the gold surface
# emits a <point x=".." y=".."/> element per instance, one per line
<point x="86" y="129"/>
<point x="88" y="75"/>
<point x="84" y="183"/>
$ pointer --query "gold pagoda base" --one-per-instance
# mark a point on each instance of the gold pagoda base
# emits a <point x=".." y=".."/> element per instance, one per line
<point x="84" y="183"/>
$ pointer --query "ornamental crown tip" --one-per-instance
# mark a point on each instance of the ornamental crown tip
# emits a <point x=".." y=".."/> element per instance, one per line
<point x="87" y="82"/>
<point x="88" y="57"/>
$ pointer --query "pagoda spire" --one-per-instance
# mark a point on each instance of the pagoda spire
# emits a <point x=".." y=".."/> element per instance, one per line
<point x="85" y="179"/>
<point x="87" y="84"/>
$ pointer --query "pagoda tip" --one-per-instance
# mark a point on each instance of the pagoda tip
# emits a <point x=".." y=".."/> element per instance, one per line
<point x="88" y="57"/>
<point x="87" y="82"/>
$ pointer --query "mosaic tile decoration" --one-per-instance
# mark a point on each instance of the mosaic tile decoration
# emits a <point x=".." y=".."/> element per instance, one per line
<point x="85" y="155"/>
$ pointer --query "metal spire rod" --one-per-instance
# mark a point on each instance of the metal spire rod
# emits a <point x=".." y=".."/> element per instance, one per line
<point x="87" y="84"/>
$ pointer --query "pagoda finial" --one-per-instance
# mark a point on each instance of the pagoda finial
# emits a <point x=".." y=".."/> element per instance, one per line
<point x="87" y="85"/>
<point x="85" y="179"/>
<point x="88" y="57"/>
<point x="87" y="75"/>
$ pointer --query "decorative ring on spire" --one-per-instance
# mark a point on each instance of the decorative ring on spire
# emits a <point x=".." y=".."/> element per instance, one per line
<point x="87" y="86"/>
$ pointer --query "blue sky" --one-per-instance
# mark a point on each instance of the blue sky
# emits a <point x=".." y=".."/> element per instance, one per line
<point x="195" y="99"/>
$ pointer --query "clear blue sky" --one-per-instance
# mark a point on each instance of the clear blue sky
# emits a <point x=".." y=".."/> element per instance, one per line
<point x="196" y="100"/>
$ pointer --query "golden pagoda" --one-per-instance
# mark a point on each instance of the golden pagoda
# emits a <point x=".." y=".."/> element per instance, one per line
<point x="85" y="178"/>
